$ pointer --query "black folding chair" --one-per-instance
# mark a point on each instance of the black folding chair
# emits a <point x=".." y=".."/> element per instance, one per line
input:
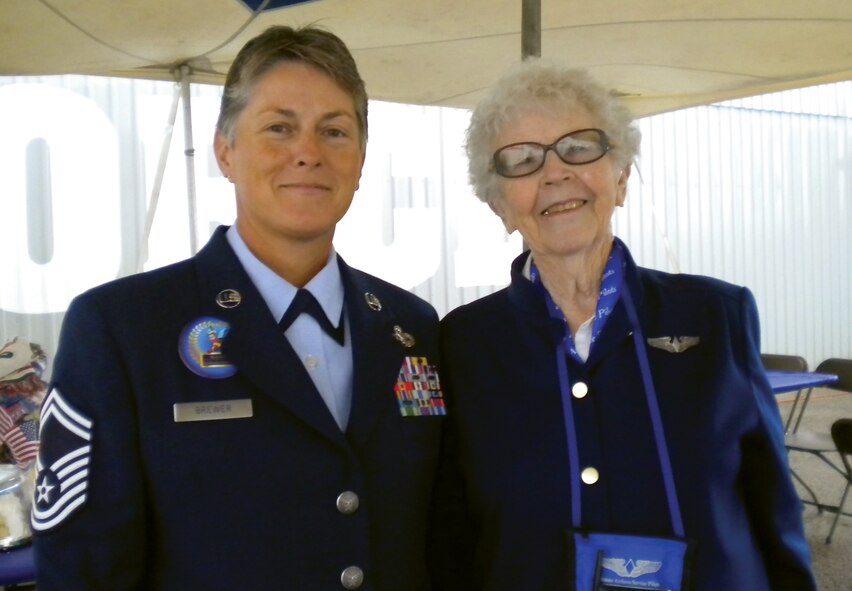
<point x="820" y="444"/>
<point x="841" y="433"/>
<point x="775" y="362"/>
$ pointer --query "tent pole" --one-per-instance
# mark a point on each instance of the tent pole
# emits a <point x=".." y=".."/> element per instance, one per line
<point x="158" y="182"/>
<point x="530" y="29"/>
<point x="189" y="151"/>
<point x="530" y="40"/>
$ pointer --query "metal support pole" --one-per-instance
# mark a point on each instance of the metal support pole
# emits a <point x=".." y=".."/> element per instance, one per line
<point x="189" y="151"/>
<point x="158" y="182"/>
<point x="531" y="29"/>
<point x="530" y="39"/>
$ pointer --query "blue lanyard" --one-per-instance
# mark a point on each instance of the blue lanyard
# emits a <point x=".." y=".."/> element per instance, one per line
<point x="607" y="298"/>
<point x="653" y="408"/>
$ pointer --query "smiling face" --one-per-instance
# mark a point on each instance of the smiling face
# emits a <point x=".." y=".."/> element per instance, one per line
<point x="295" y="159"/>
<point x="561" y="209"/>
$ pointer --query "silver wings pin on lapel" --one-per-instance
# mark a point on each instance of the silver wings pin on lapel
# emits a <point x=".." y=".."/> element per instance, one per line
<point x="673" y="344"/>
<point x="403" y="337"/>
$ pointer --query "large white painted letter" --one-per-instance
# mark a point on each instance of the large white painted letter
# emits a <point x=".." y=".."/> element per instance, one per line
<point x="82" y="207"/>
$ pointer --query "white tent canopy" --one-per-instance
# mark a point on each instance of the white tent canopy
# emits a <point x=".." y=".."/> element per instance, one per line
<point x="777" y="181"/>
<point x="661" y="54"/>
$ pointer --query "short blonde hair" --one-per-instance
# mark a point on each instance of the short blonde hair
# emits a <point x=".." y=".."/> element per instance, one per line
<point x="279" y="44"/>
<point x="537" y="83"/>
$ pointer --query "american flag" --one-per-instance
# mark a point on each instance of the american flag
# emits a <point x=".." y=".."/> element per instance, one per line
<point x="22" y="438"/>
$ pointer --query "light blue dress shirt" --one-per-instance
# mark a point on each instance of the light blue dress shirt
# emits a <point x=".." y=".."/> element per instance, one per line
<point x="329" y="364"/>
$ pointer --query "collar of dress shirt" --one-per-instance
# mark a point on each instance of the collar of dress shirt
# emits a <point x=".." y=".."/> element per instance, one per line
<point x="278" y="293"/>
<point x="527" y="266"/>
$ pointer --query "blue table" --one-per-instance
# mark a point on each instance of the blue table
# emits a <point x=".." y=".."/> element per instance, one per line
<point x="17" y="566"/>
<point x="796" y="381"/>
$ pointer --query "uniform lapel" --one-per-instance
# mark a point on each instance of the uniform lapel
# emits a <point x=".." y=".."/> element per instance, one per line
<point x="377" y="356"/>
<point x="254" y="344"/>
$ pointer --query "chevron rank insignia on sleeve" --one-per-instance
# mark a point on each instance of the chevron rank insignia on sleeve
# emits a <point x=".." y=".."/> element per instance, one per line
<point x="63" y="462"/>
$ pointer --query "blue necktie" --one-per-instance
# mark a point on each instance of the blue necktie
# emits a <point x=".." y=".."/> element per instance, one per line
<point x="306" y="302"/>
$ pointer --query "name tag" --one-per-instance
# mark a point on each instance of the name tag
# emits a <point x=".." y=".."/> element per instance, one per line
<point x="614" y="561"/>
<point x="212" y="411"/>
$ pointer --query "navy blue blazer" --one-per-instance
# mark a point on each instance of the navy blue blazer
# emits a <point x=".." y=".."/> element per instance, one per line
<point x="507" y="443"/>
<point x="248" y="503"/>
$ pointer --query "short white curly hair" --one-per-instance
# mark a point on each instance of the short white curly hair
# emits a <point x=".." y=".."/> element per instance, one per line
<point x="537" y="83"/>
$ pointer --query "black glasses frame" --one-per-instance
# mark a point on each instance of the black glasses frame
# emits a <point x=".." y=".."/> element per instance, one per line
<point x="603" y="143"/>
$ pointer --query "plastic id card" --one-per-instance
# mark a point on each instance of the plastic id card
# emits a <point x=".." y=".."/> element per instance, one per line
<point x="613" y="562"/>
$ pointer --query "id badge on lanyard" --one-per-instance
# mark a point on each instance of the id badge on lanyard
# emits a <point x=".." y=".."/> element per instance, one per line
<point x="605" y="561"/>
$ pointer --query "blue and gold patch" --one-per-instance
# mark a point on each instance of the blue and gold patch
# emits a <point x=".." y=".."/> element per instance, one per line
<point x="200" y="348"/>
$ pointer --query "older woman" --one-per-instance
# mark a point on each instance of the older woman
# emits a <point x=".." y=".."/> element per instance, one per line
<point x="201" y="433"/>
<point x="612" y="426"/>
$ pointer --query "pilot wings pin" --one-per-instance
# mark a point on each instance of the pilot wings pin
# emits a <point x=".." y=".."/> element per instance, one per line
<point x="673" y="344"/>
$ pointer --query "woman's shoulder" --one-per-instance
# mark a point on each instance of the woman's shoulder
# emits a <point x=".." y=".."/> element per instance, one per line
<point x="140" y="285"/>
<point x="489" y="309"/>
<point x="141" y="296"/>
<point x="688" y="285"/>
<point x="376" y="291"/>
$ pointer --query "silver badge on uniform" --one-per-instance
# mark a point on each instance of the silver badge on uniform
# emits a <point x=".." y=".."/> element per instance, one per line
<point x="673" y="344"/>
<point x="186" y="412"/>
<point x="373" y="302"/>
<point x="403" y="337"/>
<point x="228" y="298"/>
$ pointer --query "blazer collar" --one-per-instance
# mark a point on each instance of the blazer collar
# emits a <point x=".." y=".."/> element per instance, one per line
<point x="263" y="356"/>
<point x="528" y="298"/>
<point x="254" y="342"/>
<point x="377" y="354"/>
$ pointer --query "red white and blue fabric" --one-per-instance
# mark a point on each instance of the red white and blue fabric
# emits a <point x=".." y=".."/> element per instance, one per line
<point x="418" y="389"/>
<point x="20" y="437"/>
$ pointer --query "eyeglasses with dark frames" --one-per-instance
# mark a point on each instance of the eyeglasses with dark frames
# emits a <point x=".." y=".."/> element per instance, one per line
<point x="583" y="146"/>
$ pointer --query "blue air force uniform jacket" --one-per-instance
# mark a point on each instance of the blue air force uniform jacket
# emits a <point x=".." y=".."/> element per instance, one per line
<point x="237" y="503"/>
<point x="507" y="440"/>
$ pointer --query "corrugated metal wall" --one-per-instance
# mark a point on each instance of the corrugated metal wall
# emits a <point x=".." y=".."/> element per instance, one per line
<point x="757" y="192"/>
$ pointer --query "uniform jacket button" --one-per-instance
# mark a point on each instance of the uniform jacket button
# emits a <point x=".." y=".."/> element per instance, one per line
<point x="347" y="502"/>
<point x="590" y="475"/>
<point x="352" y="577"/>
<point x="579" y="390"/>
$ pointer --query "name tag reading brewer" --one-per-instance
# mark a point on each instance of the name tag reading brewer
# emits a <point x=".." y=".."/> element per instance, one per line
<point x="212" y="411"/>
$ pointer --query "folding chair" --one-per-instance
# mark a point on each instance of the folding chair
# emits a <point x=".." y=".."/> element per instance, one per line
<point x="775" y="362"/>
<point x="841" y="433"/>
<point x="819" y="444"/>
